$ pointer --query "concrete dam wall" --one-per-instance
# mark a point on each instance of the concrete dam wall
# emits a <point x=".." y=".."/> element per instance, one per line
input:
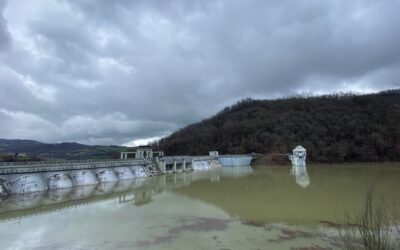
<point x="30" y="177"/>
<point x="205" y="165"/>
<point x="42" y="181"/>
<point x="234" y="161"/>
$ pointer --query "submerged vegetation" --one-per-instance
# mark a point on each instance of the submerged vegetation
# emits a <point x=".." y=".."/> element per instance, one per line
<point x="333" y="128"/>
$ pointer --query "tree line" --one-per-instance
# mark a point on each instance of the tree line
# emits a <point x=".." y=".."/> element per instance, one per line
<point x="341" y="127"/>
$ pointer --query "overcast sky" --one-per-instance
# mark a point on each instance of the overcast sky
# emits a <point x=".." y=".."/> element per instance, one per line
<point x="118" y="72"/>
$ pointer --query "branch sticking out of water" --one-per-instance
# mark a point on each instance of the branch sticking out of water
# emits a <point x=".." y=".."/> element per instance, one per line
<point x="376" y="227"/>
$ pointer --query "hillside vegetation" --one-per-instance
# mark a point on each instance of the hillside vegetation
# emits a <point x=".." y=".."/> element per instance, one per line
<point x="333" y="128"/>
<point x="67" y="150"/>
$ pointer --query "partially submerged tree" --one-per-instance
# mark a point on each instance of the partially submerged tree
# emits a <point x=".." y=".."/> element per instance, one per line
<point x="376" y="227"/>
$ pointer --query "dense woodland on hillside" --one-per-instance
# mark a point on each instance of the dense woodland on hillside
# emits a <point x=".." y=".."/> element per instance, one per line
<point x="333" y="128"/>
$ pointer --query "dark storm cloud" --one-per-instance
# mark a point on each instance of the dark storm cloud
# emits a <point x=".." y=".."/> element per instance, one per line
<point x="116" y="71"/>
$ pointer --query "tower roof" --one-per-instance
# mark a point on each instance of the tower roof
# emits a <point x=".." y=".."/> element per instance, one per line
<point x="299" y="148"/>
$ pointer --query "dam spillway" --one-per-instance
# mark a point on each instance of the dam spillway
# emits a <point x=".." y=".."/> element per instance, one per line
<point x="30" y="177"/>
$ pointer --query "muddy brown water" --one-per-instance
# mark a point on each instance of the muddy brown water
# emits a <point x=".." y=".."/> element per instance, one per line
<point x="231" y="208"/>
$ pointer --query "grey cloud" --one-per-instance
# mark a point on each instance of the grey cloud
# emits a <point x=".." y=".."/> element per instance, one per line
<point x="115" y="71"/>
<point x="4" y="34"/>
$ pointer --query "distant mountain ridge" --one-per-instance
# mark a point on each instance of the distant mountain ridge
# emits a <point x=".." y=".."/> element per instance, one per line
<point x="333" y="128"/>
<point x="64" y="150"/>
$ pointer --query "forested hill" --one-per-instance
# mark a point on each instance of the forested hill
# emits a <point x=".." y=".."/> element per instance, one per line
<point x="66" y="150"/>
<point x="333" y="128"/>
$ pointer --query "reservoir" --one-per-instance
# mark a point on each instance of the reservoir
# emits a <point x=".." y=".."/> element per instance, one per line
<point x="259" y="207"/>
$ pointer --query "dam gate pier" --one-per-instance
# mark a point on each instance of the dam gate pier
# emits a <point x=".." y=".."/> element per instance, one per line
<point x="29" y="177"/>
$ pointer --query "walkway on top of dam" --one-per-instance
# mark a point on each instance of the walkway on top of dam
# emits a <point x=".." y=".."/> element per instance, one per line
<point x="65" y="165"/>
<point x="68" y="165"/>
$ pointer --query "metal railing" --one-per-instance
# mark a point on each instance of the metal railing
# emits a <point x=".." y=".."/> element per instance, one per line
<point x="56" y="162"/>
<point x="68" y="166"/>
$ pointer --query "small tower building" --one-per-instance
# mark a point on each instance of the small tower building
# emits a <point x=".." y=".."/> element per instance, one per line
<point x="298" y="158"/>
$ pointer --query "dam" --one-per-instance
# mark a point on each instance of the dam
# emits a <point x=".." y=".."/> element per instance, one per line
<point x="31" y="177"/>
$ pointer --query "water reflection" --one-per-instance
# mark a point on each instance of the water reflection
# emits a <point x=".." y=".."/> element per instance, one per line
<point x="105" y="188"/>
<point x="139" y="192"/>
<point x="82" y="192"/>
<point x="123" y="185"/>
<point x="23" y="201"/>
<point x="272" y="195"/>
<point x="264" y="209"/>
<point x="142" y="198"/>
<point x="217" y="174"/>
<point x="301" y="175"/>
<point x="57" y="195"/>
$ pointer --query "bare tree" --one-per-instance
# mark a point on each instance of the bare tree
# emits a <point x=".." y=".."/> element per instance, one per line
<point x="374" y="228"/>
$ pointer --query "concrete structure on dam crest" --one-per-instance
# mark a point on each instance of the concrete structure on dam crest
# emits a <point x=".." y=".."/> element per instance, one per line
<point x="30" y="177"/>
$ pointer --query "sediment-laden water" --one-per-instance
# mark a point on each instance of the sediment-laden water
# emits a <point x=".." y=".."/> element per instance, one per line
<point x="230" y="208"/>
